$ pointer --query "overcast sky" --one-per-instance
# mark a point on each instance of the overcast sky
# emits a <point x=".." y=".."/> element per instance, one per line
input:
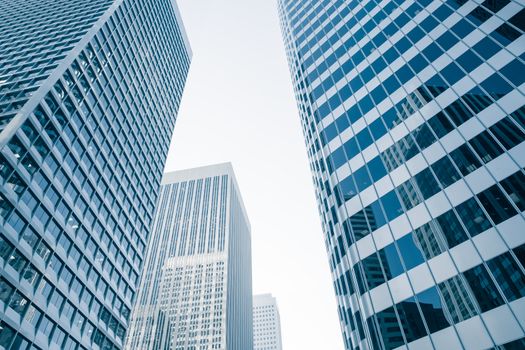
<point x="238" y="106"/>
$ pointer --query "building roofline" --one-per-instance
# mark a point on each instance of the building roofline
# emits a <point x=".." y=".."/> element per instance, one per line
<point x="203" y="172"/>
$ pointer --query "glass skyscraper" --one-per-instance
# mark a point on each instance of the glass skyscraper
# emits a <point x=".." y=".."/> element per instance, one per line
<point x="196" y="288"/>
<point x="414" y="119"/>
<point x="89" y="92"/>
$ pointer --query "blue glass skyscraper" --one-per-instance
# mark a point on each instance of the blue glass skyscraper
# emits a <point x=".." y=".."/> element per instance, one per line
<point x="414" y="118"/>
<point x="89" y="92"/>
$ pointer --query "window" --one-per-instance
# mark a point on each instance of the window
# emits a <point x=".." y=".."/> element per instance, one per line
<point x="473" y="217"/>
<point x="6" y="335"/>
<point x="391" y="205"/>
<point x="18" y="303"/>
<point x="445" y="172"/>
<point x="427" y="183"/>
<point x="33" y="315"/>
<point x="485" y="147"/>
<point x="483" y="288"/>
<point x="451" y="228"/>
<point x="507" y="133"/>
<point x="465" y="159"/>
<point x="5" y="291"/>
<point x="17" y="261"/>
<point x="5" y="248"/>
<point x="508" y="275"/>
<point x="496" y="205"/>
<point x="514" y="186"/>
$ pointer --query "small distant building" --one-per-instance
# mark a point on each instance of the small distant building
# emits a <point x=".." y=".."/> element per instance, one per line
<point x="266" y="323"/>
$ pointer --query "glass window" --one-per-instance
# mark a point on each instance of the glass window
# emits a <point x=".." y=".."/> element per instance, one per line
<point x="375" y="215"/>
<point x="6" y="335"/>
<point x="46" y="326"/>
<point x="377" y="169"/>
<point x="514" y="186"/>
<point x="5" y="248"/>
<point x="432" y="308"/>
<point x="410" y="253"/>
<point x="359" y="225"/>
<point x="391" y="205"/>
<point x="79" y="320"/>
<point x="362" y="178"/>
<point x="58" y="336"/>
<point x="518" y="344"/>
<point x="43" y="251"/>
<point x="483" y="288"/>
<point x="364" y="138"/>
<point x="458" y="112"/>
<point x="440" y="124"/>
<point x="391" y="262"/>
<point x="485" y="147"/>
<point x="18" y="303"/>
<point x="347" y="188"/>
<point x="5" y="291"/>
<point x="372" y="268"/>
<point x="384" y="326"/>
<point x="17" y="261"/>
<point x="465" y="159"/>
<point x="507" y="133"/>
<point x="508" y="275"/>
<point x="411" y="316"/>
<point x="473" y="217"/>
<point x="445" y="172"/>
<point x="451" y="228"/>
<point x="33" y="315"/>
<point x="408" y="194"/>
<point x="495" y="203"/>
<point x="427" y="183"/>
<point x="31" y="275"/>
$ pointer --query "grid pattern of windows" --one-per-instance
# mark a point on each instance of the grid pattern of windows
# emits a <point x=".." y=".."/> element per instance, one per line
<point x="77" y="195"/>
<point x="266" y="323"/>
<point x="195" y="292"/>
<point x="193" y="299"/>
<point x="414" y="118"/>
<point x="36" y="36"/>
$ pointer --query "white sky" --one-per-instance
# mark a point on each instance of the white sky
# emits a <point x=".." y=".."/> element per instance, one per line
<point x="238" y="106"/>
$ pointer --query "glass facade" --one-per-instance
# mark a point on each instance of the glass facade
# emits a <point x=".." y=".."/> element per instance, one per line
<point x="89" y="92"/>
<point x="414" y="119"/>
<point x="196" y="289"/>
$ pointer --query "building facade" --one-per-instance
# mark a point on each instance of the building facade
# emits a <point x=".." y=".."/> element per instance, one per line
<point x="89" y="93"/>
<point x="266" y="323"/>
<point x="414" y="120"/>
<point x="196" y="287"/>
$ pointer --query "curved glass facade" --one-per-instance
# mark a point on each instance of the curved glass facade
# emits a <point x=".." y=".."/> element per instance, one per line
<point x="89" y="92"/>
<point x="414" y="118"/>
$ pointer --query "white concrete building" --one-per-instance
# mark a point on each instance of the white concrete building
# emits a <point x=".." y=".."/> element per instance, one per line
<point x="266" y="323"/>
<point x="196" y="289"/>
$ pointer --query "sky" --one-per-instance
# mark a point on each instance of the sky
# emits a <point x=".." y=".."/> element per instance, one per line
<point x="238" y="106"/>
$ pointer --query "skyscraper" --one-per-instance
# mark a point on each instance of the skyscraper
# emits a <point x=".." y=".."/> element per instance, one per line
<point x="89" y="92"/>
<point x="266" y="323"/>
<point x="196" y="288"/>
<point x="414" y="119"/>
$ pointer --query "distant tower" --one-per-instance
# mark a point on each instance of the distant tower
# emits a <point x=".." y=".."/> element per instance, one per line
<point x="196" y="286"/>
<point x="89" y="95"/>
<point x="413" y="114"/>
<point x="266" y="323"/>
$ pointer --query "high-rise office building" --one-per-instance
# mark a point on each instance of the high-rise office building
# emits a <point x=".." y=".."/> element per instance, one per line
<point x="414" y="119"/>
<point x="196" y="288"/>
<point x="266" y="323"/>
<point x="89" y="92"/>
